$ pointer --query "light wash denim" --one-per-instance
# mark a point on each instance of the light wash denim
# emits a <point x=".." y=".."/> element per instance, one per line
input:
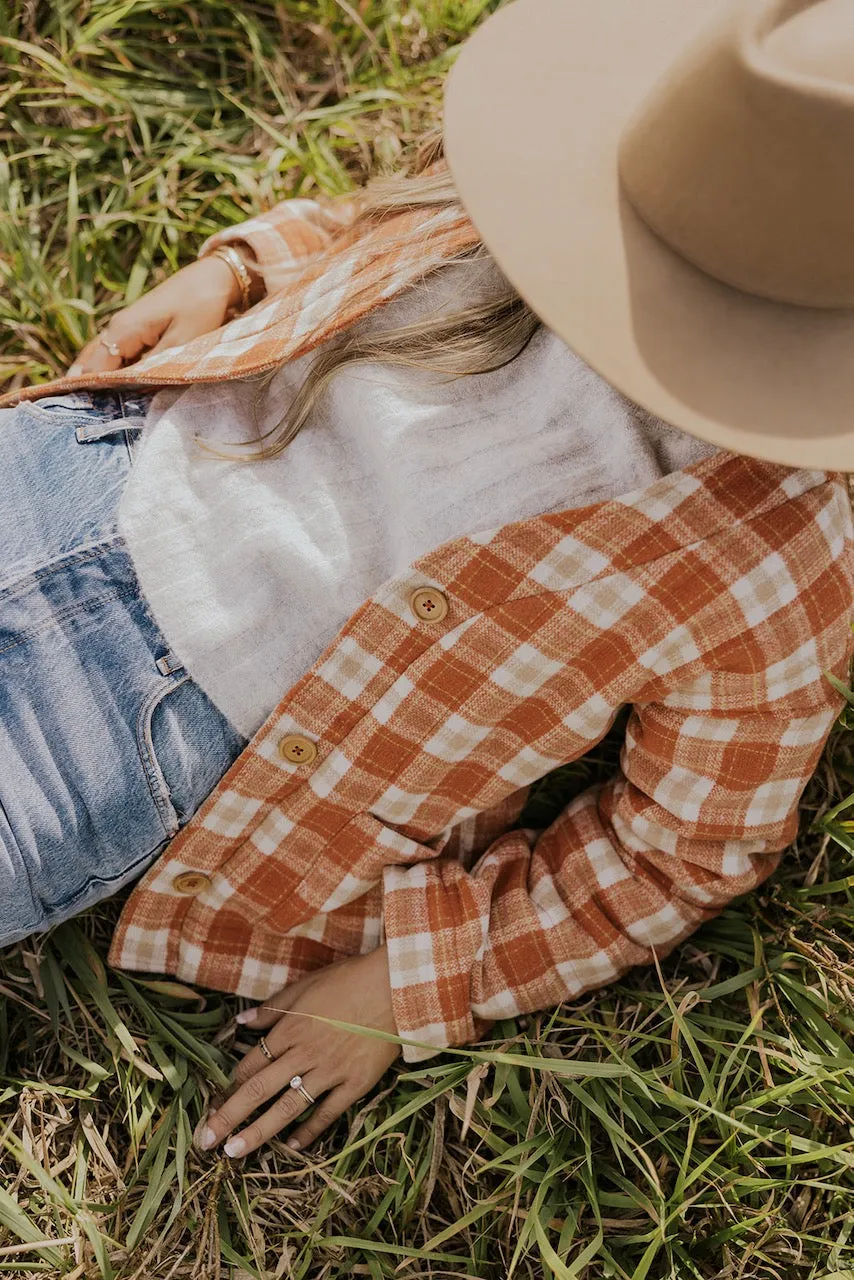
<point x="107" y="747"/>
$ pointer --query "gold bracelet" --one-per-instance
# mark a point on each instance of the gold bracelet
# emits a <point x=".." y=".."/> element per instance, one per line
<point x="239" y="270"/>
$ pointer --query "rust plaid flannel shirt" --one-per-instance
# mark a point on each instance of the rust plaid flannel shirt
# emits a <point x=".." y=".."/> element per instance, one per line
<point x="712" y="601"/>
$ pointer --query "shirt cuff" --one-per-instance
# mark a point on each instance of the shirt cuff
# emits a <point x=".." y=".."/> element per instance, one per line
<point x="432" y="934"/>
<point x="287" y="238"/>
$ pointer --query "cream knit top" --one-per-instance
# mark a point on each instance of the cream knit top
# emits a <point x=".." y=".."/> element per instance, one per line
<point x="251" y="569"/>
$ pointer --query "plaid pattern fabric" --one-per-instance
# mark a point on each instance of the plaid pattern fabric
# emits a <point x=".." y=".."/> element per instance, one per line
<point x="713" y="601"/>
<point x="322" y="275"/>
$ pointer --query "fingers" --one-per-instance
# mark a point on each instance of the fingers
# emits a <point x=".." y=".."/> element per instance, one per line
<point x="266" y="1015"/>
<point x="287" y="1107"/>
<point x="194" y="301"/>
<point x="280" y="1039"/>
<point x="270" y="1085"/>
<point x="121" y="342"/>
<point x="174" y="336"/>
<point x="327" y="1111"/>
<point x="96" y="357"/>
<point x="250" y="1064"/>
<point x="253" y="1093"/>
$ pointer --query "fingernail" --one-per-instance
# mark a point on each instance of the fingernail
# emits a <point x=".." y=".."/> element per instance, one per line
<point x="74" y="370"/>
<point x="293" y="1143"/>
<point x="207" y="1139"/>
<point x="248" y="1015"/>
<point x="235" y="1147"/>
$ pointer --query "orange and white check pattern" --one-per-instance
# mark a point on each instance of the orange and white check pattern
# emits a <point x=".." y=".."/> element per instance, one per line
<point x="313" y="291"/>
<point x="713" y="601"/>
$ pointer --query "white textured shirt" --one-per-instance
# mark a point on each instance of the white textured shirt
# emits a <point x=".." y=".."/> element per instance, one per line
<point x="251" y="568"/>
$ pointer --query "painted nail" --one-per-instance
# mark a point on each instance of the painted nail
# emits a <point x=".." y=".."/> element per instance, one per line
<point x="235" y="1147"/>
<point x="294" y="1144"/>
<point x="248" y="1015"/>
<point x="207" y="1139"/>
<point x="74" y="370"/>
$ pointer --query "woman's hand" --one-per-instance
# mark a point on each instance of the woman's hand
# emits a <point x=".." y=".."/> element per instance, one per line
<point x="194" y="301"/>
<point x="336" y="1067"/>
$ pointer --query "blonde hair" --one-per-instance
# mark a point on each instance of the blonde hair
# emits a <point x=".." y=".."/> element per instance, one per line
<point x="476" y="339"/>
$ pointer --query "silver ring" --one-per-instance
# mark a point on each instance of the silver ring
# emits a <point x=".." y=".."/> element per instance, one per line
<point x="296" y="1083"/>
<point x="112" y="347"/>
<point x="265" y="1049"/>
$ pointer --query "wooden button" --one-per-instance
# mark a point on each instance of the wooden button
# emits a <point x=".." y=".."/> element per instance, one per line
<point x="428" y="604"/>
<point x="297" y="749"/>
<point x="191" y="882"/>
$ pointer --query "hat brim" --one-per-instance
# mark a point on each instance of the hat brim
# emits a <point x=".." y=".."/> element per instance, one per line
<point x="535" y="108"/>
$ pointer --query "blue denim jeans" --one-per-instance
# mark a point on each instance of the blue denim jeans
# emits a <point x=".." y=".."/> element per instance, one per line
<point x="107" y="747"/>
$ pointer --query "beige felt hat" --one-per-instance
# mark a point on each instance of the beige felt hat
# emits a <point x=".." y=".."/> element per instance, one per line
<point x="670" y="185"/>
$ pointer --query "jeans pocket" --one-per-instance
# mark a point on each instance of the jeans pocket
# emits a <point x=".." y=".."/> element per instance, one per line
<point x="186" y="746"/>
<point x="161" y="792"/>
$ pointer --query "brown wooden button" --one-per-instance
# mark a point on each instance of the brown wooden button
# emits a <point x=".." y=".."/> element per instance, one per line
<point x="428" y="604"/>
<point x="297" y="749"/>
<point x="191" y="882"/>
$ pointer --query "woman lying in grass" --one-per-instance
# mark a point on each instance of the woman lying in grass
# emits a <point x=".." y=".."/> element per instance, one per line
<point x="325" y="551"/>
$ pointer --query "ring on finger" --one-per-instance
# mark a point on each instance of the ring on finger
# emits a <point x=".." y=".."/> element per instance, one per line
<point x="296" y="1083"/>
<point x="112" y="347"/>
<point x="265" y="1049"/>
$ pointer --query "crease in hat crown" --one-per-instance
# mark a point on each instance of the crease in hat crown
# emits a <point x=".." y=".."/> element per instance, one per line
<point x="740" y="159"/>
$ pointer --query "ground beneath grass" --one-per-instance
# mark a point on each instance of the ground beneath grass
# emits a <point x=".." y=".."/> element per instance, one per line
<point x="697" y="1122"/>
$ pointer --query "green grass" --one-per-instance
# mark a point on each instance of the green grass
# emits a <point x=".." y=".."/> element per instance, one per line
<point x="697" y="1122"/>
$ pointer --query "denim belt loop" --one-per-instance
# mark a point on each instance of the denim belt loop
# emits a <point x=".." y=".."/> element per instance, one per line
<point x="169" y="664"/>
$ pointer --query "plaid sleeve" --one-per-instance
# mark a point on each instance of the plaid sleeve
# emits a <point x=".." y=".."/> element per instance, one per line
<point x="697" y="816"/>
<point x="288" y="236"/>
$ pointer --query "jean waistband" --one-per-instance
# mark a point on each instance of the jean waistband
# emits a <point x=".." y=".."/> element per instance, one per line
<point x="131" y="403"/>
<point x="108" y="403"/>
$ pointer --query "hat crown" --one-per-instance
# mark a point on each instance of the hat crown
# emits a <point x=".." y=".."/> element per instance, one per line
<point x="740" y="158"/>
<point x="815" y="40"/>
